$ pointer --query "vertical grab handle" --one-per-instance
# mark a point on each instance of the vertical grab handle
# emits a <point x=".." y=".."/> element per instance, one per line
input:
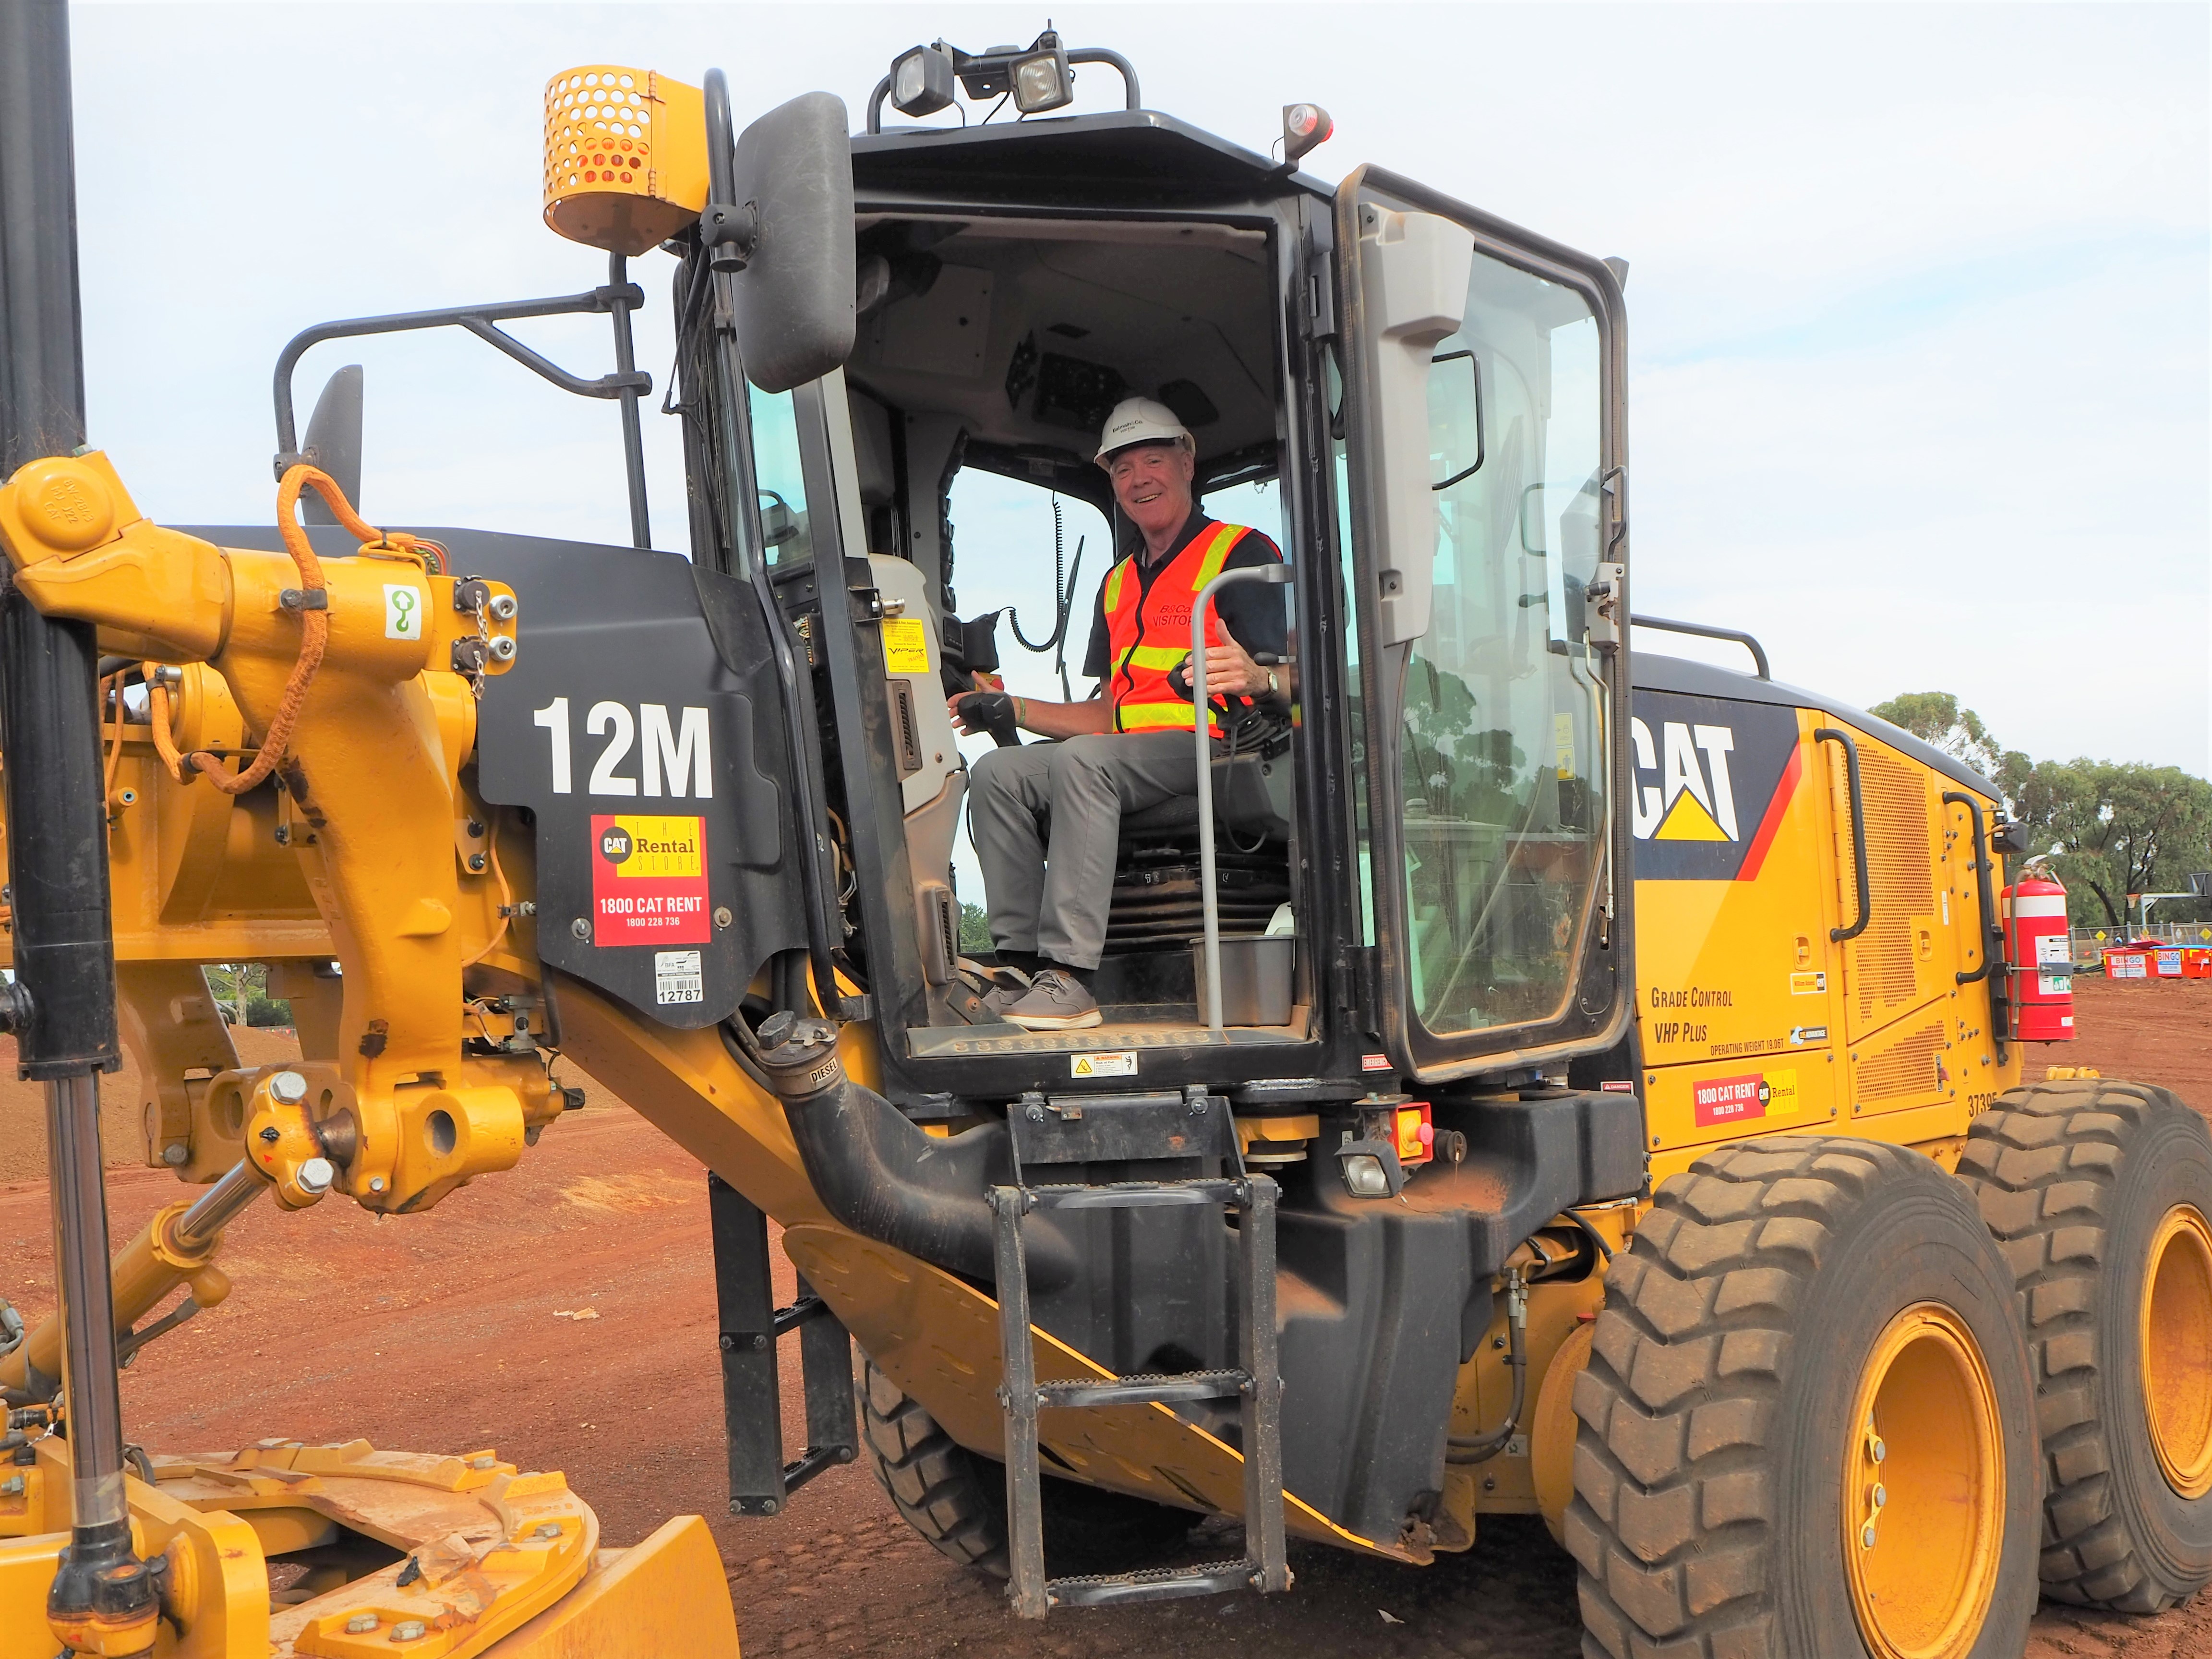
<point x="1831" y="734"/>
<point x="1210" y="896"/>
<point x="1991" y="933"/>
<point x="1993" y="967"/>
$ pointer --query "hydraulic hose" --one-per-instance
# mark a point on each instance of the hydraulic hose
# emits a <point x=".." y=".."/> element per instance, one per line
<point x="883" y="1177"/>
<point x="1480" y="1449"/>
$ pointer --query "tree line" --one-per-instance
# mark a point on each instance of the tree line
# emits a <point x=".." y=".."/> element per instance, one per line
<point x="2114" y="829"/>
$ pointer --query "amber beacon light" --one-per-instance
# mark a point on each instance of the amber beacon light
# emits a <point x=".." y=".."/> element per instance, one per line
<point x="625" y="156"/>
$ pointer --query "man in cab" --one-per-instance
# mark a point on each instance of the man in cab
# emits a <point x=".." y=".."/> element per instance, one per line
<point x="1046" y="817"/>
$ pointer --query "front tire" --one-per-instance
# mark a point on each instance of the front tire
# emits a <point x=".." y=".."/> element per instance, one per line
<point x="1805" y="1421"/>
<point x="957" y="1498"/>
<point x="2099" y="1193"/>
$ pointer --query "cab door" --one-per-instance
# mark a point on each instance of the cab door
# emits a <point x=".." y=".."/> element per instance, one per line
<point x="1487" y="443"/>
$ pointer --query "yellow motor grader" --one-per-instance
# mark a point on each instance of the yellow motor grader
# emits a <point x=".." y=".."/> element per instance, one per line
<point x="1530" y="1081"/>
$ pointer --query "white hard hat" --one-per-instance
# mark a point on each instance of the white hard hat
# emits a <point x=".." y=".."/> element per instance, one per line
<point x="1141" y="420"/>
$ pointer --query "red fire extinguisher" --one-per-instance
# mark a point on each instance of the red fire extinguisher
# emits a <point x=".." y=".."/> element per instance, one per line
<point x="2039" y="957"/>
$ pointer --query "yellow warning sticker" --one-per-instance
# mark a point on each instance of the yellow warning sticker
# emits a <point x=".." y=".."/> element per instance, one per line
<point x="1122" y="1063"/>
<point x="906" y="646"/>
<point x="1563" y="743"/>
<point x="1808" y="985"/>
<point x="1781" y="1094"/>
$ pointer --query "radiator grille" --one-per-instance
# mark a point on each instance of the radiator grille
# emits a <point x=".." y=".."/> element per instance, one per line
<point x="1901" y="877"/>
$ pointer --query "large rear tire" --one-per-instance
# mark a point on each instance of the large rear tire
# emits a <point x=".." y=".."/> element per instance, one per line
<point x="957" y="1498"/>
<point x="1806" y="1420"/>
<point x="2099" y="1195"/>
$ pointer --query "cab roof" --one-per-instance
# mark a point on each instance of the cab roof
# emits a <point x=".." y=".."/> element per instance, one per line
<point x="1123" y="158"/>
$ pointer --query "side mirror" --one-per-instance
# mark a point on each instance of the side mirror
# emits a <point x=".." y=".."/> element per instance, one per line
<point x="784" y="223"/>
<point x="333" y="443"/>
<point x="1413" y="270"/>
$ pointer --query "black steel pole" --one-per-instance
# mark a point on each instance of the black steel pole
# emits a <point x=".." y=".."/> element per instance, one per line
<point x="640" y="530"/>
<point x="62" y="1011"/>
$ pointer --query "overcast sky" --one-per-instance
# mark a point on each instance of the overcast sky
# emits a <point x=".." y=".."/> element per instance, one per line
<point x="1919" y="297"/>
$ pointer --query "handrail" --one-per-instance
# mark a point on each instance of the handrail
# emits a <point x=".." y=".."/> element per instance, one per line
<point x="1830" y="735"/>
<point x="1706" y="630"/>
<point x="742" y="486"/>
<point x="1957" y="797"/>
<point x="1275" y="574"/>
<point x="1993" y="932"/>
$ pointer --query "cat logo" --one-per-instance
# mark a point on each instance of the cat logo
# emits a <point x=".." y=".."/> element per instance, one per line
<point x="1712" y="779"/>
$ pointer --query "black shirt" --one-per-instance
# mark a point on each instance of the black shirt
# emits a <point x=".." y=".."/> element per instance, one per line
<point x="1253" y="612"/>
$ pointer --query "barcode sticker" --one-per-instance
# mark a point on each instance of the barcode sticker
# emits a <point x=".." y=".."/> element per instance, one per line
<point x="678" y="977"/>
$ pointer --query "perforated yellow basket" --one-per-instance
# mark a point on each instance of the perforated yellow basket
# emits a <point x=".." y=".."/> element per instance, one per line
<point x="625" y="156"/>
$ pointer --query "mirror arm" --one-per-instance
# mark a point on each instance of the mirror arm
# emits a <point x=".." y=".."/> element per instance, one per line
<point x="477" y="319"/>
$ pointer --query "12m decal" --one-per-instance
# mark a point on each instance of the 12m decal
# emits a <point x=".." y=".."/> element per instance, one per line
<point x="674" y="756"/>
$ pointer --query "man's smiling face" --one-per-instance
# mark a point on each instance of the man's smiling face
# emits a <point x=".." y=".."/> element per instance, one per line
<point x="1152" y="483"/>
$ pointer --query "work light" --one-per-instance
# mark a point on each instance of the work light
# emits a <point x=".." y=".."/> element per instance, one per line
<point x="1041" y="80"/>
<point x="921" y="81"/>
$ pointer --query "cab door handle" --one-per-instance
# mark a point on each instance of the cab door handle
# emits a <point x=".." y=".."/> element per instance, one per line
<point x="1830" y="735"/>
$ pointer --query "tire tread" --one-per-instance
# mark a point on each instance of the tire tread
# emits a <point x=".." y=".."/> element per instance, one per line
<point x="1674" y="1522"/>
<point x="2045" y="1161"/>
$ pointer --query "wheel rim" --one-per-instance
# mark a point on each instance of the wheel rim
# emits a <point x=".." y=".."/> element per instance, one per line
<point x="1924" y="1488"/>
<point x="2177" y="1349"/>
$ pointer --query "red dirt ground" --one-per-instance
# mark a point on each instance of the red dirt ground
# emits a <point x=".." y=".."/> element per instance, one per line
<point x="444" y="1331"/>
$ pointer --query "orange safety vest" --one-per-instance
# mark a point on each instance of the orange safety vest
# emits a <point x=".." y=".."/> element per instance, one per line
<point x="1148" y="631"/>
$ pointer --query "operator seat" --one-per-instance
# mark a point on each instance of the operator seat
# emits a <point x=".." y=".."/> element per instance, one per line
<point x="1159" y="902"/>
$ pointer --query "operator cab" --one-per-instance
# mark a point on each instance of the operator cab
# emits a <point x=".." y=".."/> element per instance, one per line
<point x="1014" y="282"/>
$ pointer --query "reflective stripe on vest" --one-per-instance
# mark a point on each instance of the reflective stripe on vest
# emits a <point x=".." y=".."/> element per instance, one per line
<point x="1148" y="631"/>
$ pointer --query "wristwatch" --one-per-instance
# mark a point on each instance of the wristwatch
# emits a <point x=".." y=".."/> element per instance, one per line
<point x="1273" y="689"/>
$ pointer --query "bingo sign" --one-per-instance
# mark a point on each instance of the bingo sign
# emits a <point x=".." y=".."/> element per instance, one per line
<point x="1722" y="1100"/>
<point x="648" y="880"/>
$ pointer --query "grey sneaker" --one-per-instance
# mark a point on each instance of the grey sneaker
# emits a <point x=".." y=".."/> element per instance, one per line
<point x="1054" y="1002"/>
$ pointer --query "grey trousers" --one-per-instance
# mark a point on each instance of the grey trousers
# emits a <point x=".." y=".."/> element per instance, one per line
<point x="1053" y="900"/>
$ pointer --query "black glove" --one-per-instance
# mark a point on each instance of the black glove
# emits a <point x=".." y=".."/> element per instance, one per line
<point x="992" y="711"/>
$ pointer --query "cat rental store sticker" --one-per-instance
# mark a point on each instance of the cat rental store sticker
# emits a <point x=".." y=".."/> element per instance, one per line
<point x="1718" y="1100"/>
<point x="648" y="880"/>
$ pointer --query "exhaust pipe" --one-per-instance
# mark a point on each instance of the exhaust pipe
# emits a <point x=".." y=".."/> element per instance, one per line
<point x="883" y="1177"/>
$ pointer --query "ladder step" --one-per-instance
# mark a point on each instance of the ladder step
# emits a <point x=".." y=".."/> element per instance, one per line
<point x="1153" y="1584"/>
<point x="1136" y="1194"/>
<point x="1139" y="1390"/>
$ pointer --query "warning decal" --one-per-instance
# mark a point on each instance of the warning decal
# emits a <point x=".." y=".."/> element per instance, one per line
<point x="1113" y="1063"/>
<point x="906" y="646"/>
<point x="649" y="883"/>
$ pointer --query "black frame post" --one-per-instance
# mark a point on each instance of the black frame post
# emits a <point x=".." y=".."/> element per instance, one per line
<point x="62" y="1006"/>
<point x="749" y="1324"/>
